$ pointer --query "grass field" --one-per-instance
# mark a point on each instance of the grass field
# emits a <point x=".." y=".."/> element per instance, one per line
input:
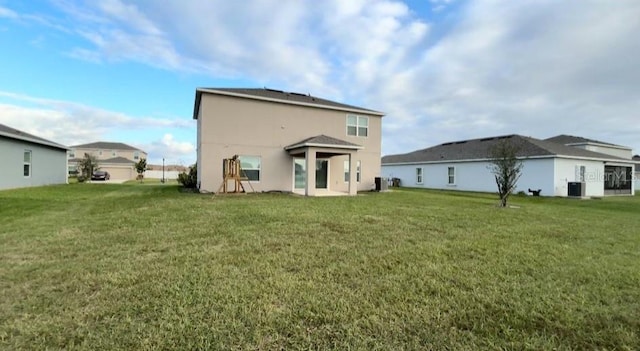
<point x="105" y="267"/>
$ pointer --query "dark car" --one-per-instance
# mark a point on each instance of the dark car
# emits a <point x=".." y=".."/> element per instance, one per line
<point x="100" y="175"/>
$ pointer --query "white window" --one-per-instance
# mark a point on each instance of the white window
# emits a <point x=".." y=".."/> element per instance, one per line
<point x="100" y="153"/>
<point x="113" y="153"/>
<point x="346" y="171"/>
<point x="136" y="155"/>
<point x="452" y="175"/>
<point x="580" y="173"/>
<point x="357" y="125"/>
<point x="419" y="175"/>
<point x="72" y="154"/>
<point x="26" y="169"/>
<point x="251" y="166"/>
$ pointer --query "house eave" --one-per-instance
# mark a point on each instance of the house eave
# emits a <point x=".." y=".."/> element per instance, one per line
<point x="329" y="146"/>
<point x="199" y="92"/>
<point x="607" y="160"/>
<point x="33" y="141"/>
<point x="613" y="146"/>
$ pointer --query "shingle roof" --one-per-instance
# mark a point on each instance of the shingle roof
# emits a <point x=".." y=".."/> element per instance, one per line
<point x="478" y="149"/>
<point x="570" y="139"/>
<point x="278" y="95"/>
<point x="13" y="133"/>
<point x="324" y="141"/>
<point x="106" y="145"/>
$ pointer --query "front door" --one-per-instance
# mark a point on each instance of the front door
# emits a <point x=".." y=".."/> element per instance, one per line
<point x="300" y="173"/>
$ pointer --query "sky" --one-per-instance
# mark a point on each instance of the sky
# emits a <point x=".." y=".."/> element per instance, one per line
<point x="441" y="70"/>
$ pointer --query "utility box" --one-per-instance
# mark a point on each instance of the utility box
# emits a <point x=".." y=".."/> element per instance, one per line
<point x="576" y="189"/>
<point x="381" y="184"/>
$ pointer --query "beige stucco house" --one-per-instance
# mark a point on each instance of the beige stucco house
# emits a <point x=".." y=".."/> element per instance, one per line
<point x="286" y="141"/>
<point x="116" y="158"/>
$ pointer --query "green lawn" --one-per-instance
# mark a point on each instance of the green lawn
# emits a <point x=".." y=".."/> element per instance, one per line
<point x="142" y="267"/>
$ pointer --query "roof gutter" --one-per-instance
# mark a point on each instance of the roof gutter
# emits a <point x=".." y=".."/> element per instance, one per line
<point x="199" y="92"/>
<point x="330" y="146"/>
<point x="519" y="158"/>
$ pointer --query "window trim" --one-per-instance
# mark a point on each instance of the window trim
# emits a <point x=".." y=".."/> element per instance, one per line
<point x="358" y="126"/>
<point x="259" y="169"/>
<point x="451" y="178"/>
<point x="419" y="175"/>
<point x="27" y="163"/>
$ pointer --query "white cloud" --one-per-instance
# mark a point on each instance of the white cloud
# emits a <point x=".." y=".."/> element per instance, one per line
<point x="71" y="123"/>
<point x="172" y="150"/>
<point x="498" y="66"/>
<point x="529" y="67"/>
<point x="7" y="13"/>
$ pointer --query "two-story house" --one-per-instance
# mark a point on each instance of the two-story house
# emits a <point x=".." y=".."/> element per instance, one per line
<point x="287" y="142"/>
<point x="116" y="158"/>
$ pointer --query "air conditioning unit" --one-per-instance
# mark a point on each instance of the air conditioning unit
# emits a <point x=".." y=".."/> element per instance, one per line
<point x="576" y="189"/>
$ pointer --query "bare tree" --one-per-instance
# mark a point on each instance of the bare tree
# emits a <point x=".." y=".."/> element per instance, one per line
<point x="506" y="167"/>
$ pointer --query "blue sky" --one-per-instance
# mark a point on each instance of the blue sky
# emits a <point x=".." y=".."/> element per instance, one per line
<point x="442" y="70"/>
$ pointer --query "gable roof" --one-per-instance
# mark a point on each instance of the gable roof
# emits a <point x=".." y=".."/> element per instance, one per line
<point x="576" y="140"/>
<point x="324" y="141"/>
<point x="480" y="149"/>
<point x="106" y="145"/>
<point x="279" y="96"/>
<point x="16" y="134"/>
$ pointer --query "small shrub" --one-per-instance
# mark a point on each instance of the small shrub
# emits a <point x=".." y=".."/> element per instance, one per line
<point x="189" y="180"/>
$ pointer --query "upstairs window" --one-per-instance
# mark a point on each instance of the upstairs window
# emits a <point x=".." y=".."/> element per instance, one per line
<point x="357" y="125"/>
<point x="26" y="166"/>
<point x="72" y="154"/>
<point x="113" y="153"/>
<point x="136" y="155"/>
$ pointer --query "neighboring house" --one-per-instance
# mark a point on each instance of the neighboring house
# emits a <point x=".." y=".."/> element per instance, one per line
<point x="548" y="165"/>
<point x="116" y="158"/>
<point x="28" y="160"/>
<point x="286" y="141"/>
